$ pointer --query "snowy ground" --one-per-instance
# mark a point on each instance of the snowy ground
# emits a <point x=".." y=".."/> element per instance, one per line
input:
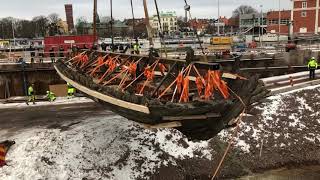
<point x="58" y="101"/>
<point x="105" y="146"/>
<point x="92" y="143"/>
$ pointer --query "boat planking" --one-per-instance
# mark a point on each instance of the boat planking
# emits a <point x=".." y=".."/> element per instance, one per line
<point x="155" y="102"/>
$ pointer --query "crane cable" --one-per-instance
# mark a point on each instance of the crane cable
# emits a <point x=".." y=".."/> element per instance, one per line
<point x="133" y="19"/>
<point x="187" y="8"/>
<point x="161" y="30"/>
<point x="111" y="27"/>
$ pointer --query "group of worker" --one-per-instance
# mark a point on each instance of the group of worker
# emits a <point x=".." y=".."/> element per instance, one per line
<point x="312" y="66"/>
<point x="50" y="95"/>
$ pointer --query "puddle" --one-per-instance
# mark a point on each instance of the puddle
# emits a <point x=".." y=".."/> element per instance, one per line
<point x="304" y="173"/>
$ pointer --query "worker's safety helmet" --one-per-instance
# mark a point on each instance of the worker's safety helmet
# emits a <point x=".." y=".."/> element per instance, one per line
<point x="313" y="58"/>
<point x="47" y="92"/>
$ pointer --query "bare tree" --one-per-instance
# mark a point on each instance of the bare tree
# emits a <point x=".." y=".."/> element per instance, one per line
<point x="243" y="9"/>
<point x="54" y="18"/>
<point x="81" y="25"/>
<point x="53" y="24"/>
<point x="41" y="24"/>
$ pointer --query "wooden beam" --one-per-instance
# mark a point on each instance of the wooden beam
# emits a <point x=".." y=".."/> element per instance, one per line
<point x="164" y="79"/>
<point x="105" y="98"/>
<point x="162" y="125"/>
<point x="194" y="117"/>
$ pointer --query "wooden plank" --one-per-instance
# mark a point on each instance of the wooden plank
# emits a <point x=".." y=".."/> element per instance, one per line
<point x="103" y="97"/>
<point x="194" y="117"/>
<point x="162" y="125"/>
<point x="229" y="76"/>
<point x="60" y="90"/>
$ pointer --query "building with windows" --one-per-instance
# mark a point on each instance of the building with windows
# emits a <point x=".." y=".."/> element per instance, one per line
<point x="273" y="22"/>
<point x="169" y="23"/>
<point x="251" y="23"/>
<point x="305" y="17"/>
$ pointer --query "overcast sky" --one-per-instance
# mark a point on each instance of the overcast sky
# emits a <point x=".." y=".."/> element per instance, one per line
<point x="199" y="8"/>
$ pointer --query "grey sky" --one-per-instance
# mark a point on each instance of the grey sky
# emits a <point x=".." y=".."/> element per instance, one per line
<point x="200" y="8"/>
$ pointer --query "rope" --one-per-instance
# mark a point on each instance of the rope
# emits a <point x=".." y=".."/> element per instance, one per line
<point x="235" y="133"/>
<point x="133" y="23"/>
<point x="161" y="30"/>
<point x="187" y="8"/>
<point x="111" y="26"/>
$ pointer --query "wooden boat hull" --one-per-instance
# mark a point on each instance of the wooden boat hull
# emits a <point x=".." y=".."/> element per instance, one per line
<point x="197" y="120"/>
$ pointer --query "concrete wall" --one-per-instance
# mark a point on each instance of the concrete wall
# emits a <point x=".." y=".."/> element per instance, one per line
<point x="41" y="79"/>
<point x="300" y="57"/>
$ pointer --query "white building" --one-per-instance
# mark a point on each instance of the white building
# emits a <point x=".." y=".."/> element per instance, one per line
<point x="168" y="21"/>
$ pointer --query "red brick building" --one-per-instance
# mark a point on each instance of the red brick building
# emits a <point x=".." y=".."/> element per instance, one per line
<point x="305" y="16"/>
<point x="273" y="21"/>
<point x="199" y="24"/>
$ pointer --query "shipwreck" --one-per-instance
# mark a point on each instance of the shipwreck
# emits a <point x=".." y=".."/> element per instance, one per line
<point x="197" y="98"/>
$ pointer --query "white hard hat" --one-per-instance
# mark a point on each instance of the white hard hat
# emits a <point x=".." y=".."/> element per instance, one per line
<point x="313" y="58"/>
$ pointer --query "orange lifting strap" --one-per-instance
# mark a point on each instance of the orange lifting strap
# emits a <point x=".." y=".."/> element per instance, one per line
<point x="112" y="65"/>
<point x="3" y="152"/>
<point x="218" y="83"/>
<point x="148" y="73"/>
<point x="100" y="61"/>
<point x="185" y="91"/>
<point x="162" y="68"/>
<point x="133" y="69"/>
<point x="84" y="58"/>
<point x="200" y="85"/>
<point x="179" y="82"/>
<point x="209" y="87"/>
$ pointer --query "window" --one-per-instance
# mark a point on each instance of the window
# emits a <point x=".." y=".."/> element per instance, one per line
<point x="304" y="14"/>
<point x="284" y="21"/>
<point x="273" y="21"/>
<point x="304" y="4"/>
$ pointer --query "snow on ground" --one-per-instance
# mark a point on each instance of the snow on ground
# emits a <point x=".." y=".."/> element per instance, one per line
<point x="111" y="147"/>
<point x="58" y="101"/>
<point x="289" y="112"/>
<point x="107" y="147"/>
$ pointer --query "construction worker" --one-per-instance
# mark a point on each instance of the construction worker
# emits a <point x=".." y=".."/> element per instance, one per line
<point x="52" y="55"/>
<point x="312" y="65"/>
<point x="61" y="52"/>
<point x="71" y="90"/>
<point x="136" y="47"/>
<point x="51" y="96"/>
<point x="31" y="96"/>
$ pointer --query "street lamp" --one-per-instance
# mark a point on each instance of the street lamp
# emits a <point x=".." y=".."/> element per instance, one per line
<point x="219" y="17"/>
<point x="261" y="26"/>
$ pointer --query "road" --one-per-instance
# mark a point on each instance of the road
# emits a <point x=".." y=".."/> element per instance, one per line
<point x="50" y="117"/>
